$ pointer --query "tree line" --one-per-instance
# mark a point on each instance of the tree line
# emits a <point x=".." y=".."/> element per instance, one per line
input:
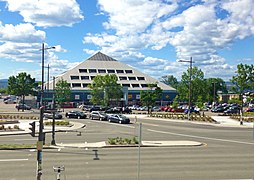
<point x="105" y="90"/>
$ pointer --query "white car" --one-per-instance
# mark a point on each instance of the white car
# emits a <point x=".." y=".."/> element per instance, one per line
<point x="10" y="101"/>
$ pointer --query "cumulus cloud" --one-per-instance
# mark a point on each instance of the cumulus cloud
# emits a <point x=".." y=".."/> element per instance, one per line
<point x="195" y="29"/>
<point x="47" y="13"/>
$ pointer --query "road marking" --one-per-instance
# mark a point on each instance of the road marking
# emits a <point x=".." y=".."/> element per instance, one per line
<point x="23" y="139"/>
<point x="156" y="125"/>
<point x="12" y="160"/>
<point x="202" y="137"/>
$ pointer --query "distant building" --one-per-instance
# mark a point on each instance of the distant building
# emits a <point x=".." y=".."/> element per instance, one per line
<point x="132" y="80"/>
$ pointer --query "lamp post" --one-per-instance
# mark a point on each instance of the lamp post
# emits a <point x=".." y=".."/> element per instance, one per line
<point x="41" y="134"/>
<point x="53" y="142"/>
<point x="190" y="79"/>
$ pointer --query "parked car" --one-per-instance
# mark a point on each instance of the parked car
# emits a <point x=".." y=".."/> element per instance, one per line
<point x="98" y="115"/>
<point x="10" y="101"/>
<point x="119" y="118"/>
<point x="232" y="110"/>
<point x="250" y="109"/>
<point x="112" y="111"/>
<point x="75" y="114"/>
<point x="50" y="115"/>
<point x="23" y="106"/>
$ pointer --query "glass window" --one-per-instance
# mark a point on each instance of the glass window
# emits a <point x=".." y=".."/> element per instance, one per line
<point x="128" y="71"/>
<point x="92" y="77"/>
<point x="144" y="85"/>
<point x="132" y="78"/>
<point x="101" y="70"/>
<point x="122" y="78"/>
<point x="111" y="71"/>
<point x="85" y="85"/>
<point x="119" y="71"/>
<point x="126" y="85"/>
<point x="135" y="85"/>
<point x="76" y="84"/>
<point x="92" y="71"/>
<point x="84" y="77"/>
<point x="141" y="78"/>
<point x="83" y="70"/>
<point x="74" y="77"/>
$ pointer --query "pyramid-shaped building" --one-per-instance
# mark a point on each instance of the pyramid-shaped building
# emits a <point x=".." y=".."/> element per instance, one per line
<point x="132" y="80"/>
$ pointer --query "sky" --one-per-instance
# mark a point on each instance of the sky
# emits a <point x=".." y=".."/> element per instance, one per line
<point x="149" y="35"/>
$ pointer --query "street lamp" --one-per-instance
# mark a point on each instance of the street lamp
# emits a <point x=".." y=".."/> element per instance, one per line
<point x="189" y="61"/>
<point x="41" y="134"/>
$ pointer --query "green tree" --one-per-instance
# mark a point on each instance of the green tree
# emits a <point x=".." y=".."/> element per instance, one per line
<point x="197" y="86"/>
<point x="22" y="85"/>
<point x="170" y="80"/>
<point x="62" y="92"/>
<point x="213" y="85"/>
<point x="175" y="103"/>
<point x="149" y="97"/>
<point x="243" y="80"/>
<point x="105" y="90"/>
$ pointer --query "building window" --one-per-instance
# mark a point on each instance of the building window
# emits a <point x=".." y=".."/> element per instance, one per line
<point x="101" y="70"/>
<point x="84" y="77"/>
<point x="111" y="71"/>
<point x="119" y="71"/>
<point x="85" y="85"/>
<point x="128" y="71"/>
<point x="121" y="78"/>
<point x="74" y="77"/>
<point x="141" y="78"/>
<point x="92" y="71"/>
<point x="132" y="78"/>
<point x="135" y="85"/>
<point x="83" y="70"/>
<point x="76" y="84"/>
<point x="126" y="85"/>
<point x="92" y="77"/>
<point x="144" y="85"/>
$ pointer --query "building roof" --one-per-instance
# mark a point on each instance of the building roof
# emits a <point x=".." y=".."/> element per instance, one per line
<point x="100" y="64"/>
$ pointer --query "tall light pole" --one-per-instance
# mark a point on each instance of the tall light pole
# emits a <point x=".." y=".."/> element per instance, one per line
<point x="41" y="135"/>
<point x="53" y="142"/>
<point x="190" y="87"/>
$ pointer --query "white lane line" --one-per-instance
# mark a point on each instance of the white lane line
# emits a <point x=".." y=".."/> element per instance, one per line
<point x="23" y="139"/>
<point x="201" y="137"/>
<point x="149" y="124"/>
<point x="12" y="160"/>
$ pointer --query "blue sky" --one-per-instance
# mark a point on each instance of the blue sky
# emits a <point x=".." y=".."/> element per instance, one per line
<point x="150" y="35"/>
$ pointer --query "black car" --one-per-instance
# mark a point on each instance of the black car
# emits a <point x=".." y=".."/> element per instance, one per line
<point x="75" y="114"/>
<point x="23" y="106"/>
<point x="119" y="118"/>
<point x="50" y="115"/>
<point x="98" y="115"/>
<point x="232" y="110"/>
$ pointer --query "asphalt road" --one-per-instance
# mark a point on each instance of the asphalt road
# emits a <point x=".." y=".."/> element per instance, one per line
<point x="227" y="153"/>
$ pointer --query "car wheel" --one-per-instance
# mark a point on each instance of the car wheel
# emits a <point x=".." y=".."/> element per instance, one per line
<point x="120" y="122"/>
<point x="68" y="116"/>
<point x="78" y="117"/>
<point x="92" y="117"/>
<point x="100" y="118"/>
<point x="109" y="120"/>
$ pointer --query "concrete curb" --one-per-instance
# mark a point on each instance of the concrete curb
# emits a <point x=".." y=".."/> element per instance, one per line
<point x="103" y="144"/>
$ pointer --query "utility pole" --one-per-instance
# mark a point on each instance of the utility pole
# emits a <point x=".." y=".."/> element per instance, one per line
<point x="41" y="134"/>
<point x="190" y="84"/>
<point x="53" y="142"/>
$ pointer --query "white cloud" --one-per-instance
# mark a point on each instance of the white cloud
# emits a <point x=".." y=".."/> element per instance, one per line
<point x="47" y="13"/>
<point x="131" y="17"/>
<point x="21" y="33"/>
<point x="195" y="29"/>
